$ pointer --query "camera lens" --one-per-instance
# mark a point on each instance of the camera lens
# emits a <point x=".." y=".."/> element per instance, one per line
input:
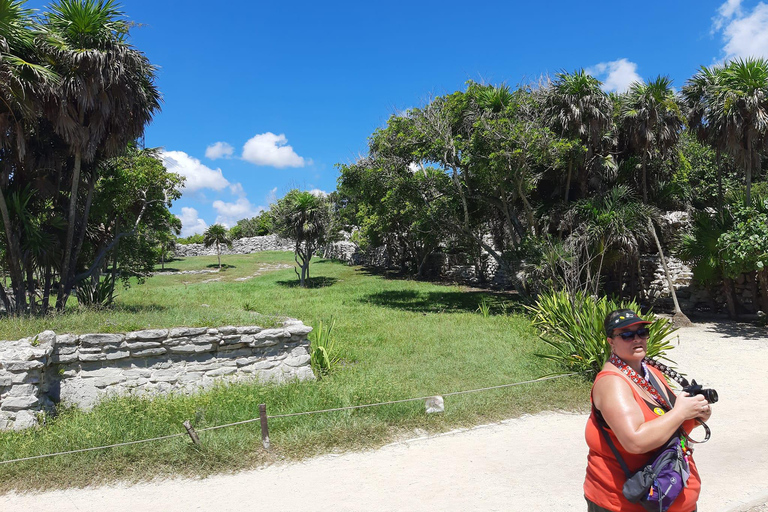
<point x="710" y="395"/>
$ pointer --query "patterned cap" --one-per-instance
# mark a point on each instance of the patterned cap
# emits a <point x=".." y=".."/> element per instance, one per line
<point x="622" y="318"/>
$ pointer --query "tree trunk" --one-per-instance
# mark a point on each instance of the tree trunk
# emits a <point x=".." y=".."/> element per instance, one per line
<point x="679" y="319"/>
<point x="645" y="181"/>
<point x="66" y="264"/>
<point x="748" y="170"/>
<point x="14" y="262"/>
<point x="218" y="253"/>
<point x="568" y="180"/>
<point x="720" y="200"/>
<point x="762" y="276"/>
<point x="729" y="297"/>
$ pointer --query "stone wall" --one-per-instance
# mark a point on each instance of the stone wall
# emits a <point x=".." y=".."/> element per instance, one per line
<point x="240" y="246"/>
<point x="38" y="372"/>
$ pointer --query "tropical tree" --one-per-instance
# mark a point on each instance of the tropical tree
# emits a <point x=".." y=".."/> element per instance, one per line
<point x="577" y="108"/>
<point x="732" y="107"/>
<point x="104" y="99"/>
<point x="651" y="121"/>
<point x="304" y="218"/>
<point x="216" y="235"/>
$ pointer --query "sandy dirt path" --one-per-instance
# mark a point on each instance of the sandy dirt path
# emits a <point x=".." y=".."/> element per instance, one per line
<point x="529" y="463"/>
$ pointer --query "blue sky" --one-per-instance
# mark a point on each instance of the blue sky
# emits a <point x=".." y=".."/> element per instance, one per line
<point x="262" y="97"/>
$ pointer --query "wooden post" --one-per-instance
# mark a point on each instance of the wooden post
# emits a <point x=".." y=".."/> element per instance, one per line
<point x="191" y="432"/>
<point x="264" y="426"/>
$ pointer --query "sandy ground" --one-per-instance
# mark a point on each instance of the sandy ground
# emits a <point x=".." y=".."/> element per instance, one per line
<point x="530" y="463"/>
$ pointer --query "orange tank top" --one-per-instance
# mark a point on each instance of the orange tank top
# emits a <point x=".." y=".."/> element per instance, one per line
<point x="605" y="478"/>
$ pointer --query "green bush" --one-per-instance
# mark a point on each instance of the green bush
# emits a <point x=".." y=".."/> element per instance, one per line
<point x="573" y="326"/>
<point x="323" y="357"/>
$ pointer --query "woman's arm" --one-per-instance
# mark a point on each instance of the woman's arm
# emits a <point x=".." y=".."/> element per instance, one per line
<point x="614" y="399"/>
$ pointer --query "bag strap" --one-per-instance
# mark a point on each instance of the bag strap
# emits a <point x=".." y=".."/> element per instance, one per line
<point x="600" y="420"/>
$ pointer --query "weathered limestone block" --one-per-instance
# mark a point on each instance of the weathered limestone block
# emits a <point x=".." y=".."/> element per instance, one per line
<point x="147" y="335"/>
<point x="66" y="339"/>
<point x="150" y="352"/>
<point x="118" y="354"/>
<point x="185" y="332"/>
<point x="227" y="370"/>
<point x="227" y="330"/>
<point x="110" y="380"/>
<point x="19" y="403"/>
<point x="249" y="330"/>
<point x="190" y="349"/>
<point x="96" y="340"/>
<point x="142" y="345"/>
<point x="23" y="390"/>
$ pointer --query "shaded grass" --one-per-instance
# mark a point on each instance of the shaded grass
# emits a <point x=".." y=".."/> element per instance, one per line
<point x="398" y="339"/>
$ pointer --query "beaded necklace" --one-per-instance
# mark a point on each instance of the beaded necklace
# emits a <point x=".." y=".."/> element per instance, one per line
<point x="637" y="379"/>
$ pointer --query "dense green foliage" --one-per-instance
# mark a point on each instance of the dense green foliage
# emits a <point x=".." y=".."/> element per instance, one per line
<point x="573" y="326"/>
<point x="74" y="95"/>
<point x="508" y="174"/>
<point x="261" y="225"/>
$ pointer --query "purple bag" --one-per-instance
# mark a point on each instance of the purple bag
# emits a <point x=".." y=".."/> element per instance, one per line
<point x="659" y="483"/>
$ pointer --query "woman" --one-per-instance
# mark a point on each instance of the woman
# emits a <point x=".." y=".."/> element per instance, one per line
<point x="638" y="418"/>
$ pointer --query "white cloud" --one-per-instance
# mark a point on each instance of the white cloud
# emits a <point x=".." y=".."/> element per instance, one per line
<point x="744" y="35"/>
<point x="230" y="213"/>
<point x="191" y="224"/>
<point x="197" y="175"/>
<point x="616" y="75"/>
<point x="237" y="190"/>
<point x="219" y="150"/>
<point x="318" y="193"/>
<point x="272" y="150"/>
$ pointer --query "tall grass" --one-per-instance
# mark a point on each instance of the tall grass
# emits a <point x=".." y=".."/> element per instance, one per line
<point x="396" y="339"/>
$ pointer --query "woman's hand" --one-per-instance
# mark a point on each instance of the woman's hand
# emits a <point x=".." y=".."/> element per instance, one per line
<point x="690" y="407"/>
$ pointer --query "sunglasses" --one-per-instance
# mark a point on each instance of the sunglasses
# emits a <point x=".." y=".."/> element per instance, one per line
<point x="642" y="332"/>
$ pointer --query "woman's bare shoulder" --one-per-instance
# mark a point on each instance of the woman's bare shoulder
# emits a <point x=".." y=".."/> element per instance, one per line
<point x="611" y="384"/>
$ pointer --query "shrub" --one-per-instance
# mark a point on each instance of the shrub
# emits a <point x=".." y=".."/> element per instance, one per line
<point x="573" y="326"/>
<point x="323" y="349"/>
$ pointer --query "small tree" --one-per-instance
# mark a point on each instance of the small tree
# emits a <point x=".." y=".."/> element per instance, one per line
<point x="217" y="234"/>
<point x="303" y="218"/>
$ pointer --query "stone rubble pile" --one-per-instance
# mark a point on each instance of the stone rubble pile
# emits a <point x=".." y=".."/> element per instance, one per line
<point x="37" y="373"/>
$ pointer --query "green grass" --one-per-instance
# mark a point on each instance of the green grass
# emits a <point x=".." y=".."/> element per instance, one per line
<point x="398" y="339"/>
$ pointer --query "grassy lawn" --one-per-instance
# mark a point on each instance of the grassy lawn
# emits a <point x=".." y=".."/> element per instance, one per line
<point x="398" y="339"/>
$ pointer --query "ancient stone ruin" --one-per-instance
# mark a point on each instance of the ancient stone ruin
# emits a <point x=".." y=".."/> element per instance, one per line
<point x="39" y="372"/>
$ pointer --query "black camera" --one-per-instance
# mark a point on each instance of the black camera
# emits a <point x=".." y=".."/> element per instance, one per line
<point x="695" y="389"/>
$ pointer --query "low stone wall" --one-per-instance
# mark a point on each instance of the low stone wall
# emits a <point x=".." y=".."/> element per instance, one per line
<point x="240" y="246"/>
<point x="37" y="373"/>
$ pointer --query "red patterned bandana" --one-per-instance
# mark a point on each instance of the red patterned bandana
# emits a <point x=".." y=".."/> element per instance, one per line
<point x="637" y="379"/>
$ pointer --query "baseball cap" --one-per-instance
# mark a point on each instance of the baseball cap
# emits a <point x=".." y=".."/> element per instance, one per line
<point x="622" y="318"/>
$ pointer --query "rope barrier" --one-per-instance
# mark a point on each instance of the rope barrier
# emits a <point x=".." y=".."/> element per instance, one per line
<point x="289" y="415"/>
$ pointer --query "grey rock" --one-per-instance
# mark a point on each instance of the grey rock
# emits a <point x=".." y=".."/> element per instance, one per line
<point x="220" y="372"/>
<point x="228" y="329"/>
<point x="95" y="340"/>
<point x="112" y="356"/>
<point x="111" y="380"/>
<point x="23" y="390"/>
<point x="23" y="366"/>
<point x="142" y="345"/>
<point x="19" y="403"/>
<point x="190" y="349"/>
<point x="150" y="352"/>
<point x="297" y="360"/>
<point x="179" y="332"/>
<point x="24" y="420"/>
<point x="66" y="339"/>
<point x="250" y="329"/>
<point x="147" y="335"/>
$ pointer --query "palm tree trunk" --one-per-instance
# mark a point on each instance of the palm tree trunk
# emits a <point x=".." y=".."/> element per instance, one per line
<point x="748" y="170"/>
<point x="66" y="264"/>
<point x="720" y="200"/>
<point x="645" y="181"/>
<point x="14" y="262"/>
<point x="679" y="319"/>
<point x="568" y="180"/>
<point x="218" y="253"/>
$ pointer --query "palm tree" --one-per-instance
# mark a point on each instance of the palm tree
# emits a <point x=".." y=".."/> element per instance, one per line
<point x="303" y="218"/>
<point x="217" y="234"/>
<point x="24" y="84"/>
<point x="105" y="98"/>
<point x="738" y="111"/>
<point x="578" y="109"/>
<point x="612" y="225"/>
<point x="651" y="120"/>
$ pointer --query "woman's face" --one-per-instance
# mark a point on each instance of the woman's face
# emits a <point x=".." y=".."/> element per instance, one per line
<point x="635" y="348"/>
